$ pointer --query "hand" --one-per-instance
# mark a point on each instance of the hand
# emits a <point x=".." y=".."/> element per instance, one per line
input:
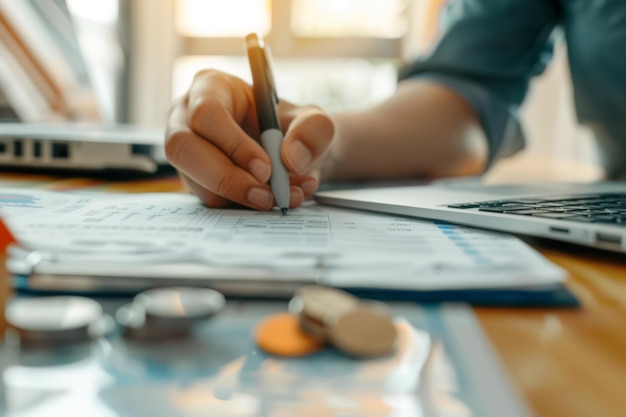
<point x="211" y="139"/>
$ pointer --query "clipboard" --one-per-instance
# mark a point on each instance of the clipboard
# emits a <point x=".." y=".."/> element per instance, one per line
<point x="124" y="243"/>
<point x="31" y="274"/>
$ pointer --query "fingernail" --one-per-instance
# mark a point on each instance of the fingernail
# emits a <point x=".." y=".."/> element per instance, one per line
<point x="260" y="169"/>
<point x="299" y="156"/>
<point x="260" y="197"/>
<point x="309" y="187"/>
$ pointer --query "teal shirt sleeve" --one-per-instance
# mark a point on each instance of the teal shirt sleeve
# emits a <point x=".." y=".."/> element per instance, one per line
<point x="488" y="52"/>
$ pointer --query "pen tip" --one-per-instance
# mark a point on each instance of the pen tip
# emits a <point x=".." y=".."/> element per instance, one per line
<point x="283" y="210"/>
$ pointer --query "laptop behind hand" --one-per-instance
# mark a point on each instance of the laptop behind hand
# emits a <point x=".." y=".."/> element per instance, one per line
<point x="81" y="147"/>
<point x="587" y="214"/>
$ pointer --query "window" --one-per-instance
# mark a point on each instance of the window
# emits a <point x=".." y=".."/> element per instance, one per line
<point x="343" y="18"/>
<point x="222" y="18"/>
<point x="338" y="54"/>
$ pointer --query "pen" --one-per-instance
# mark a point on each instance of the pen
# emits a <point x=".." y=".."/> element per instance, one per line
<point x="266" y="100"/>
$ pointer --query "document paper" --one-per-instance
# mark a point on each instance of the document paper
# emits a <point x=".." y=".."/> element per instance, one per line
<point x="346" y="248"/>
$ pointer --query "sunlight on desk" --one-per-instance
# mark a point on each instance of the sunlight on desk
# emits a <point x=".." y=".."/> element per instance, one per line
<point x="533" y="167"/>
<point x="563" y="362"/>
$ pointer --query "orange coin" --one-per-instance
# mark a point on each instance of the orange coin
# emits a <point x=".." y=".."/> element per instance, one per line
<point x="281" y="335"/>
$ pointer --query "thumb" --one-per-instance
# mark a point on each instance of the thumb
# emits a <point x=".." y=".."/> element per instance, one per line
<point x="309" y="132"/>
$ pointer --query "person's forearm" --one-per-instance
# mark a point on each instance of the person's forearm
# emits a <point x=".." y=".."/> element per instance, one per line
<point x="423" y="130"/>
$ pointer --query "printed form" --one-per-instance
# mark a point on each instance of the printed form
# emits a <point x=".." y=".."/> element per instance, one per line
<point x="350" y="248"/>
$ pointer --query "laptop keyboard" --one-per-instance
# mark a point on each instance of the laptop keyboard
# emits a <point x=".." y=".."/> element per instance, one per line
<point x="607" y="208"/>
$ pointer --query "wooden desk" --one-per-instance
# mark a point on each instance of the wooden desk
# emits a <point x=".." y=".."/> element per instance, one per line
<point x="569" y="362"/>
<point x="566" y="362"/>
<point x="563" y="362"/>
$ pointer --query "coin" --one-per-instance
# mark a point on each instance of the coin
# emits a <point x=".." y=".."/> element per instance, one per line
<point x="169" y="312"/>
<point x="132" y="319"/>
<point x="281" y="335"/>
<point x="363" y="332"/>
<point x="316" y="303"/>
<point x="312" y="328"/>
<point x="55" y="319"/>
<point x="179" y="306"/>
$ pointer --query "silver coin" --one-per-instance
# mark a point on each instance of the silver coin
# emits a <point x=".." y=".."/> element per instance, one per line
<point x="54" y="319"/>
<point x="180" y="305"/>
<point x="131" y="318"/>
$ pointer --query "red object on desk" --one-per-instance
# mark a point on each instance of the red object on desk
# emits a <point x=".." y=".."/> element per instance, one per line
<point x="6" y="237"/>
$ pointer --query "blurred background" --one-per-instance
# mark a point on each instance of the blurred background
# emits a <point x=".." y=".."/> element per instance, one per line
<point x="126" y="60"/>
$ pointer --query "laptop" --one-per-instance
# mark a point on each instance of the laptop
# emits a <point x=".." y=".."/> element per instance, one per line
<point x="82" y="147"/>
<point x="591" y="214"/>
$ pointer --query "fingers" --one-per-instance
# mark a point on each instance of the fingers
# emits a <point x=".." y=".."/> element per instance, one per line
<point x="212" y="170"/>
<point x="208" y="198"/>
<point x="209" y="139"/>
<point x="297" y="196"/>
<point x="308" y="184"/>
<point x="217" y="106"/>
<point x="309" y="133"/>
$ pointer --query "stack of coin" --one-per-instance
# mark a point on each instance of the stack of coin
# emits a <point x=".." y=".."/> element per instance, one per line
<point x="358" y="328"/>
<point x="171" y="312"/>
<point x="366" y="331"/>
<point x="322" y="315"/>
<point x="314" y="304"/>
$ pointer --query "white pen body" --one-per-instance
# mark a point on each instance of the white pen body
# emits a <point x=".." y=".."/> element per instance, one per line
<point x="271" y="141"/>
